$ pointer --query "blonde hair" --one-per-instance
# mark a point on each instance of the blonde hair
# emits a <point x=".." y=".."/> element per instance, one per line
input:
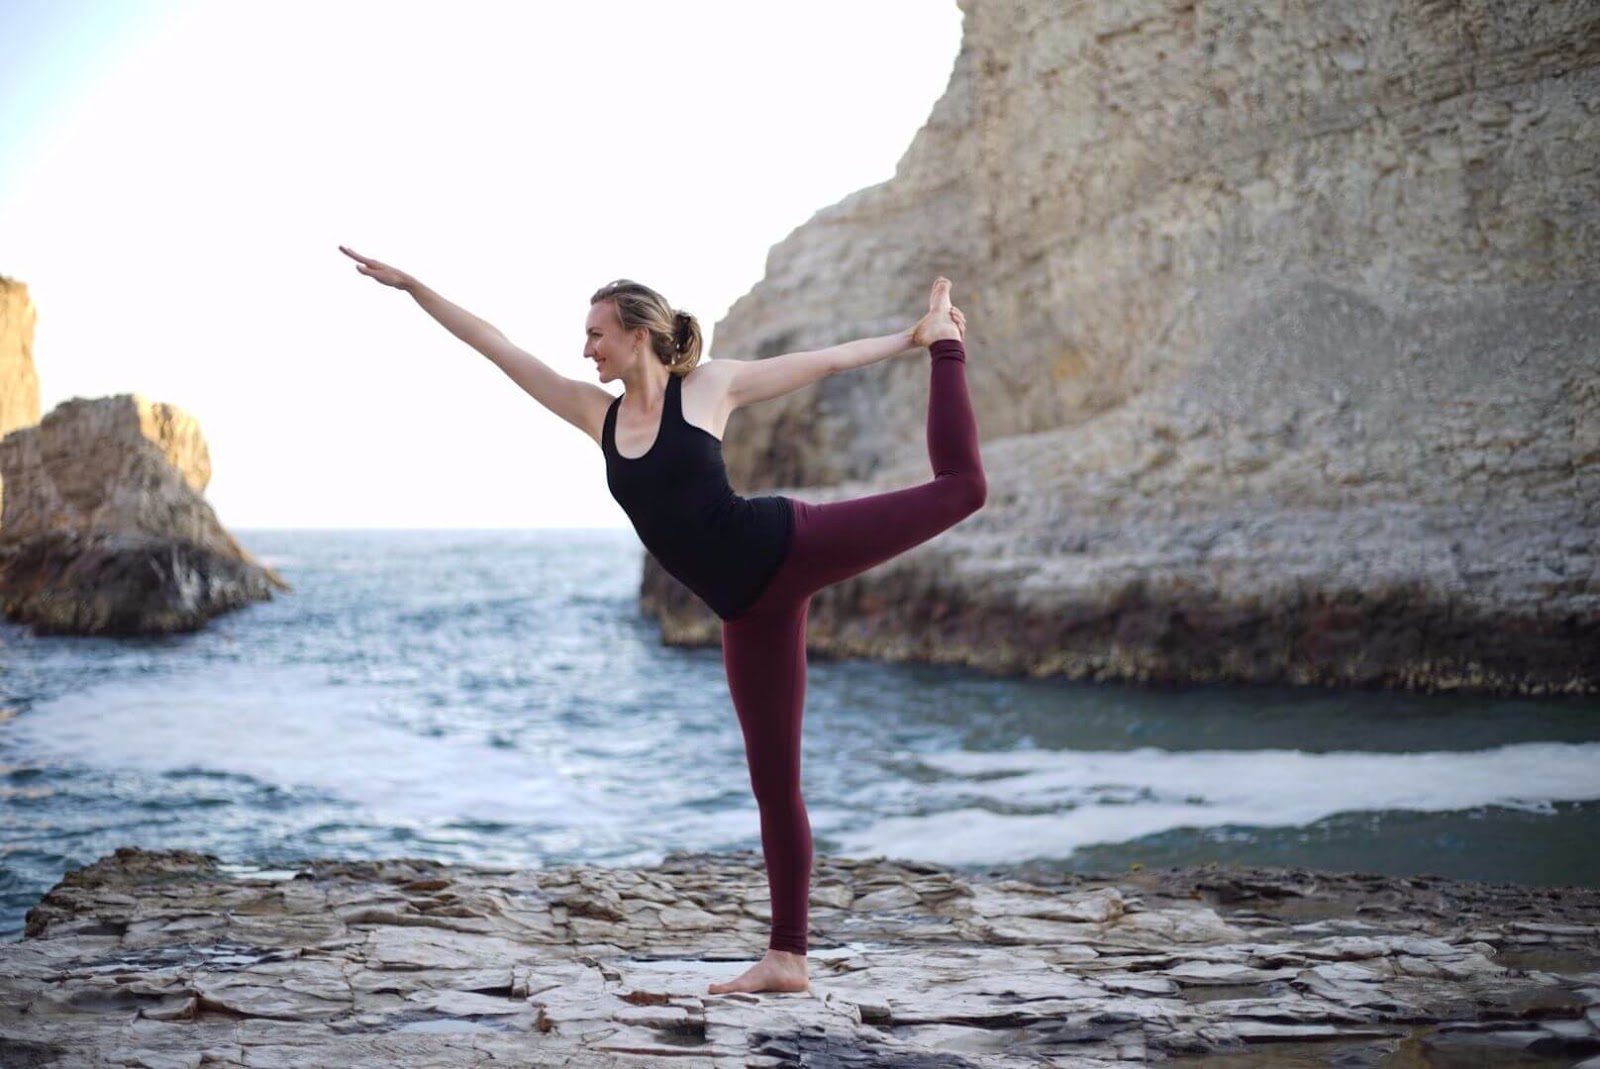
<point x="674" y="334"/>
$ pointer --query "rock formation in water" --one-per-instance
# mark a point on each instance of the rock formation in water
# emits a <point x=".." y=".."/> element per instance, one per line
<point x="169" y="959"/>
<point x="1285" y="348"/>
<point x="104" y="529"/>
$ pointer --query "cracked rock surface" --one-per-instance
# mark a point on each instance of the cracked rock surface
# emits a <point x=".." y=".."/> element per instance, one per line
<point x="171" y="959"/>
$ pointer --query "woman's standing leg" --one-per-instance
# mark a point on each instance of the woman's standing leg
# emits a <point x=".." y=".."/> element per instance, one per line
<point x="764" y="652"/>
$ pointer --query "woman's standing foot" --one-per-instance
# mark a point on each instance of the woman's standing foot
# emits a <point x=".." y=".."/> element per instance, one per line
<point x="779" y="970"/>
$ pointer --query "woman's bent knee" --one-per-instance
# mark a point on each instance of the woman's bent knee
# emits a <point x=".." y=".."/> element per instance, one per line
<point x="968" y="492"/>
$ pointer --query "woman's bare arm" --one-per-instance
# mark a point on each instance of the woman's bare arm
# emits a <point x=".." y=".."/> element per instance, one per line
<point x="751" y="381"/>
<point x="582" y="404"/>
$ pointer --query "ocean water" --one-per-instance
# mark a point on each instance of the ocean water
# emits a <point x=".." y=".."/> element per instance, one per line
<point x="496" y="697"/>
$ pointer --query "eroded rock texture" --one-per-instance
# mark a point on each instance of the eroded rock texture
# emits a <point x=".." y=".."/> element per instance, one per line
<point x="19" y="382"/>
<point x="168" y="959"/>
<point x="1285" y="348"/>
<point x="105" y="530"/>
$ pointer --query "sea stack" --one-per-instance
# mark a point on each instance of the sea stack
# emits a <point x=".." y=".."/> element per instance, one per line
<point x="103" y="526"/>
<point x="1283" y="349"/>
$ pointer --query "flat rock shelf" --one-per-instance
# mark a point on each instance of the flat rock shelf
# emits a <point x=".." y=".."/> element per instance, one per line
<point x="173" y="959"/>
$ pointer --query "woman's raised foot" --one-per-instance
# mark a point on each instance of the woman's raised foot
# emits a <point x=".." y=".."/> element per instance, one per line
<point x="943" y="321"/>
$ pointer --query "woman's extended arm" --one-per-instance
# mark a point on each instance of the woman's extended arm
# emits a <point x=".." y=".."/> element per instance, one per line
<point x="759" y="380"/>
<point x="750" y="381"/>
<point x="581" y="404"/>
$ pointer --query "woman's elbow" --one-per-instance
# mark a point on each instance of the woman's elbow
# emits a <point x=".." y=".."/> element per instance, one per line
<point x="975" y="491"/>
<point x="966" y="492"/>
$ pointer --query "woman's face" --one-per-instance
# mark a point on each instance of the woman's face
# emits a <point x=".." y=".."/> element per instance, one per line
<point x="612" y="348"/>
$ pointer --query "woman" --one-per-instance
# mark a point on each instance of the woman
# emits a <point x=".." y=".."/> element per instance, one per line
<point x="755" y="561"/>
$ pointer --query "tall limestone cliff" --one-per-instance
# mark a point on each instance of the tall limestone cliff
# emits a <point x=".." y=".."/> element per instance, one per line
<point x="1285" y="348"/>
<point x="19" y="382"/>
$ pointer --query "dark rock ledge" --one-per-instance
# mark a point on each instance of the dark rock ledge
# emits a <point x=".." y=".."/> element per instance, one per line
<point x="173" y="960"/>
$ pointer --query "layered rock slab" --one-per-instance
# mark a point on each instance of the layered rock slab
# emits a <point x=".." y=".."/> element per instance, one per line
<point x="104" y="528"/>
<point x="161" y="959"/>
<point x="1283" y="349"/>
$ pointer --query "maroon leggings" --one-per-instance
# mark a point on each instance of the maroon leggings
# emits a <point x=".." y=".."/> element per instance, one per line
<point x="764" y="647"/>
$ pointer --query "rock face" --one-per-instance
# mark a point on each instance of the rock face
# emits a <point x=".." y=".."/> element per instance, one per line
<point x="1284" y="348"/>
<point x="104" y="529"/>
<point x="19" y="382"/>
<point x="169" y="959"/>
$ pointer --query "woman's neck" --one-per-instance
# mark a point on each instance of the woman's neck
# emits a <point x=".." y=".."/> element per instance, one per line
<point x="646" y="384"/>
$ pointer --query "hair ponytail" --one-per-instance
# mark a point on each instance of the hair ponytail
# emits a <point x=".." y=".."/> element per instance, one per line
<point x="686" y="340"/>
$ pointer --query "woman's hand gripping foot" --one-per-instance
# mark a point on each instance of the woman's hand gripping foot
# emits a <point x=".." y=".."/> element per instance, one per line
<point x="779" y="970"/>
<point x="943" y="320"/>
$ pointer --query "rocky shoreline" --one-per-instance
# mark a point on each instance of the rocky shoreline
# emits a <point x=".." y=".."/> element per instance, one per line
<point x="172" y="959"/>
<point x="1218" y="598"/>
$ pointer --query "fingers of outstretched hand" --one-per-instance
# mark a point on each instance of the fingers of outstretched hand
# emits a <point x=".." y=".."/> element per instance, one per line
<point x="365" y="264"/>
<point x="959" y="318"/>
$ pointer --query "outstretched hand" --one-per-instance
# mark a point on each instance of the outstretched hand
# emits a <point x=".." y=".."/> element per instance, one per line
<point x="389" y="276"/>
<point x="944" y="320"/>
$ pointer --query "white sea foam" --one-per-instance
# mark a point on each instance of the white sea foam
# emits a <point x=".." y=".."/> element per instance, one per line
<point x="993" y="808"/>
<point x="638" y="786"/>
<point x="293" y="729"/>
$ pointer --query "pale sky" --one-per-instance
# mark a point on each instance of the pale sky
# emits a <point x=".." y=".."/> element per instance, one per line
<point x="177" y="175"/>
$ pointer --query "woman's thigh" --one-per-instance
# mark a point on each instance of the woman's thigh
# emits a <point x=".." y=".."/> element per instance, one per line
<point x="764" y="654"/>
<point x="835" y="540"/>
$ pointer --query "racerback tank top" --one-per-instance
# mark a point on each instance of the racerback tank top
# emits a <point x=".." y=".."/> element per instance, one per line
<point x="723" y="547"/>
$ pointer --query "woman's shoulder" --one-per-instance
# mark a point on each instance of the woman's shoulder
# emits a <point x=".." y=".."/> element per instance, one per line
<point x="709" y="376"/>
<point x="705" y="394"/>
<point x="710" y="369"/>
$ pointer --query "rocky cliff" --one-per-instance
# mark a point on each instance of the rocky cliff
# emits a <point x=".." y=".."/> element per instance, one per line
<point x="19" y="382"/>
<point x="104" y="529"/>
<point x="1284" y="348"/>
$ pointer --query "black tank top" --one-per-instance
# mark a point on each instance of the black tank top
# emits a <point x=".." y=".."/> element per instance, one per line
<point x="723" y="547"/>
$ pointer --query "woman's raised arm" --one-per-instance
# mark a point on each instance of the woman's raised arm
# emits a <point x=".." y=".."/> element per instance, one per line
<point x="750" y="381"/>
<point x="582" y="404"/>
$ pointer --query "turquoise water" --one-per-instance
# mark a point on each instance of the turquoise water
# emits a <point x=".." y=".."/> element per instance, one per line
<point x="496" y="697"/>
